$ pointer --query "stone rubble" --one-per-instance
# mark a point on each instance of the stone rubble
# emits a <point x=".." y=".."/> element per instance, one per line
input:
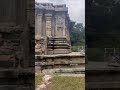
<point x="46" y="83"/>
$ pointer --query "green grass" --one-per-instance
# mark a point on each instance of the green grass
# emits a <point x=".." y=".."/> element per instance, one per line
<point x="64" y="82"/>
<point x="68" y="83"/>
<point x="38" y="79"/>
<point x="76" y="48"/>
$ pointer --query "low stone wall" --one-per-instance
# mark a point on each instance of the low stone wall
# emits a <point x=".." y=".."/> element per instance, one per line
<point x="61" y="61"/>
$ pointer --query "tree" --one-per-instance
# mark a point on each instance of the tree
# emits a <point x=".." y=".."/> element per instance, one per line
<point x="77" y="34"/>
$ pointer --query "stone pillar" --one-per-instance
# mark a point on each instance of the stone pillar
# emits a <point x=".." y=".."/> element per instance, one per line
<point x="43" y="26"/>
<point x="55" y="32"/>
<point x="64" y="26"/>
<point x="53" y="26"/>
<point x="60" y="26"/>
<point x="38" y="25"/>
<point x="48" y="25"/>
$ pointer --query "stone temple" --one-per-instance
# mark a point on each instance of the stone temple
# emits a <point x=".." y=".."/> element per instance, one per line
<point x="52" y="27"/>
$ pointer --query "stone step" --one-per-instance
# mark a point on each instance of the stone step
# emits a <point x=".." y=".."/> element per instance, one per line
<point x="79" y="70"/>
<point x="58" y="43"/>
<point x="58" y="63"/>
<point x="50" y="48"/>
<point x="59" y="66"/>
<point x="57" y="38"/>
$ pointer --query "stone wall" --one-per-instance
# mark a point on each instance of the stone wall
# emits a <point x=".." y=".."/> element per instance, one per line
<point x="16" y="40"/>
<point x="60" y="61"/>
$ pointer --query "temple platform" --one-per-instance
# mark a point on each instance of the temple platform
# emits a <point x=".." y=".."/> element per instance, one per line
<point x="61" y="63"/>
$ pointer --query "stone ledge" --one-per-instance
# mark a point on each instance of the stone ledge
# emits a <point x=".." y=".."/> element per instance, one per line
<point x="73" y="54"/>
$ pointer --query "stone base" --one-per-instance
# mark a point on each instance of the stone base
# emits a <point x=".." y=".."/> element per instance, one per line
<point x="59" y="51"/>
<point x="72" y="60"/>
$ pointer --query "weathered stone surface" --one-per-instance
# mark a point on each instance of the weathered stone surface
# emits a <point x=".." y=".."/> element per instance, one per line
<point x="11" y="29"/>
<point x="72" y="62"/>
<point x="16" y="32"/>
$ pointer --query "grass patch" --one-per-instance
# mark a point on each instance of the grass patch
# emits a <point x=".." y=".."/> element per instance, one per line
<point x="38" y="79"/>
<point x="76" y="48"/>
<point x="68" y="83"/>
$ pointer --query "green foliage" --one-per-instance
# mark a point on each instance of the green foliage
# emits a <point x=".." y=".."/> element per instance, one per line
<point x="76" y="48"/>
<point x="38" y="80"/>
<point x="77" y="34"/>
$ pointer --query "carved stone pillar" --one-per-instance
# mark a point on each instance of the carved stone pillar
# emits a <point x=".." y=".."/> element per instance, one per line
<point x="48" y="26"/>
<point x="64" y="26"/>
<point x="53" y="26"/>
<point x="43" y="26"/>
<point x="38" y="25"/>
<point x="60" y="26"/>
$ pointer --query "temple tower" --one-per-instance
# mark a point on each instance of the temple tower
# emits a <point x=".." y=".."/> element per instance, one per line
<point x="52" y="29"/>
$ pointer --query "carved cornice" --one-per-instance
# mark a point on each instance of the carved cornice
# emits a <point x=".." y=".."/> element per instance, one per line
<point x="50" y="15"/>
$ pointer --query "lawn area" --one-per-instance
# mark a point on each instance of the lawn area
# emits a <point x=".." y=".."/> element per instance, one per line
<point x="64" y="82"/>
<point x="38" y="79"/>
<point x="76" y="48"/>
<point x="68" y="83"/>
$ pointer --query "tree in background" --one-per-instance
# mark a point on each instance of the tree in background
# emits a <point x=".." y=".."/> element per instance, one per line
<point x="77" y="36"/>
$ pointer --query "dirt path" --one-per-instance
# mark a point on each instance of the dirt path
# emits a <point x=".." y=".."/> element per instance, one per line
<point x="46" y="83"/>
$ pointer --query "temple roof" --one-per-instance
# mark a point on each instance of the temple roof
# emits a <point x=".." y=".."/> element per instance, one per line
<point x="40" y="6"/>
<point x="50" y="6"/>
